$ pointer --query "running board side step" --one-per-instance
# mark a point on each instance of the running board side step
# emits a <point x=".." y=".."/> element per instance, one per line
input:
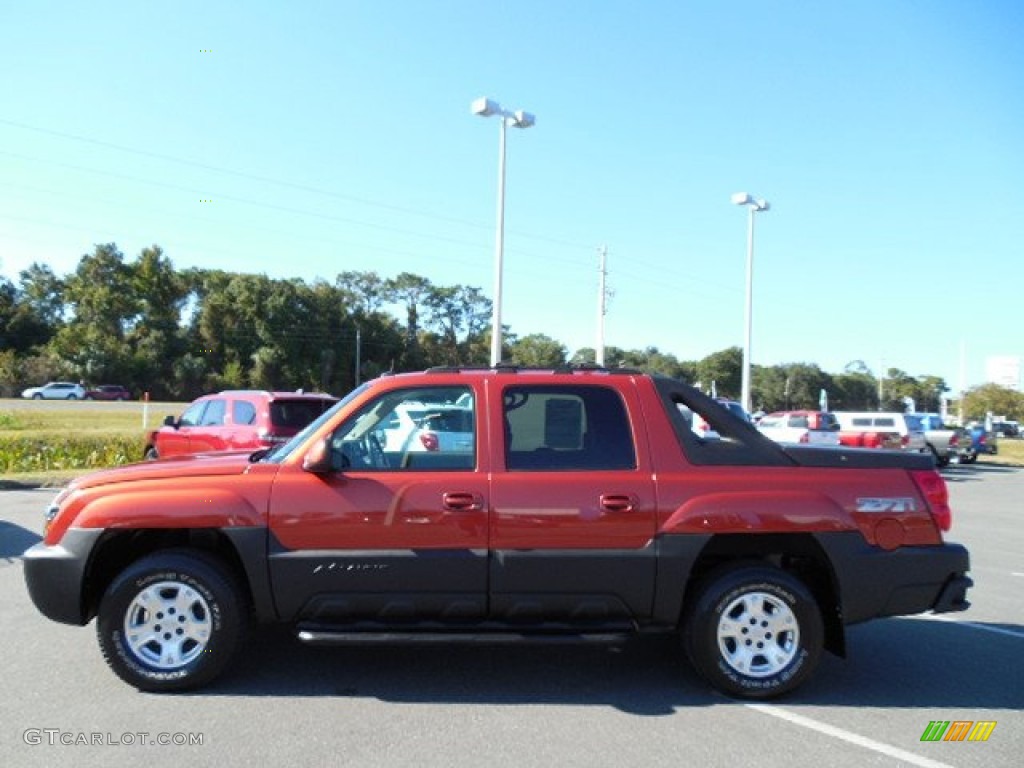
<point x="322" y="637"/>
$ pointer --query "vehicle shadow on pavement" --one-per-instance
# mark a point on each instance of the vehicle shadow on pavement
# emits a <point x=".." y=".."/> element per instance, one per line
<point x="14" y="540"/>
<point x="642" y="676"/>
<point x="907" y="662"/>
<point x="921" y="662"/>
<point x="974" y="472"/>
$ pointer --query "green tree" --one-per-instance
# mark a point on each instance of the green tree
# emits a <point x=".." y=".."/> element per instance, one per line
<point x="156" y="336"/>
<point x="104" y="306"/>
<point x="538" y="351"/>
<point x="724" y="369"/>
<point x="457" y="315"/>
<point x="411" y="291"/>
<point x="992" y="398"/>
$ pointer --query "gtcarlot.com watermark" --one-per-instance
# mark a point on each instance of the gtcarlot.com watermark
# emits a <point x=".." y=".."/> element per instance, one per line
<point x="53" y="737"/>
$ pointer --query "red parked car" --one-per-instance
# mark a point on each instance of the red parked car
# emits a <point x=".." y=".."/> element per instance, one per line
<point x="236" y="420"/>
<point x="108" y="392"/>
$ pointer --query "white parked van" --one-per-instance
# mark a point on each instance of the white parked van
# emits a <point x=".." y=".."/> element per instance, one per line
<point x="907" y="425"/>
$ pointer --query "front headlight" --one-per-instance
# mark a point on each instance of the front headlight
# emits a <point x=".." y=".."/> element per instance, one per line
<point x="53" y="509"/>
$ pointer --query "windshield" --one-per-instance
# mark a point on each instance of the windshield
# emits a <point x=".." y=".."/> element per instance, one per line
<point x="279" y="453"/>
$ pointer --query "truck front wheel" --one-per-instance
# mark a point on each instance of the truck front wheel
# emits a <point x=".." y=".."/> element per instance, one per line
<point x="753" y="631"/>
<point x="170" y="621"/>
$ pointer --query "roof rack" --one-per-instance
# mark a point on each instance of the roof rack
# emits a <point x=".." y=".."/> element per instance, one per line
<point x="513" y="368"/>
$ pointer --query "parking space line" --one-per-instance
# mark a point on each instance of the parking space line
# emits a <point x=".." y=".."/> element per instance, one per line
<point x="973" y="625"/>
<point x="847" y="736"/>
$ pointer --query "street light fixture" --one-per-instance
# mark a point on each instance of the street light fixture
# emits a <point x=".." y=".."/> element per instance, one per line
<point x="754" y="206"/>
<point x="517" y="119"/>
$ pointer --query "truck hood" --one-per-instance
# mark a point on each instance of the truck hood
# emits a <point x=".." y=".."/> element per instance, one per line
<point x="177" y="467"/>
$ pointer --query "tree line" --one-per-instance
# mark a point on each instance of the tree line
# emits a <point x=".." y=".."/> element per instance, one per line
<point x="180" y="333"/>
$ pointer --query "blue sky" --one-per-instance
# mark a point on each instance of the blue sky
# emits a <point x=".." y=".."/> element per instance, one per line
<point x="888" y="137"/>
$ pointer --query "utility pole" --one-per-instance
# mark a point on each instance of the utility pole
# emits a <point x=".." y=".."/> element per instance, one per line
<point x="881" y="378"/>
<point x="601" y="298"/>
<point x="359" y="345"/>
<point x="963" y="382"/>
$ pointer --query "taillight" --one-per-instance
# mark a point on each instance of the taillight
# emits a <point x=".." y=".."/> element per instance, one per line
<point x="905" y="441"/>
<point x="429" y="440"/>
<point x="936" y="496"/>
<point x="805" y="437"/>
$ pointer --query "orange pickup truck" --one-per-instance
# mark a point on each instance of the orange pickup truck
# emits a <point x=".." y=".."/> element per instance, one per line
<point x="578" y="504"/>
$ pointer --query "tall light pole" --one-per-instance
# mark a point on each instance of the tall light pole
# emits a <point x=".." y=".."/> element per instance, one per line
<point x="753" y="206"/>
<point x="602" y="301"/>
<point x="518" y="119"/>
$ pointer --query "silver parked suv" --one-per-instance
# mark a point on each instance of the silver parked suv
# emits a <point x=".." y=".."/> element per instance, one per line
<point x="55" y="390"/>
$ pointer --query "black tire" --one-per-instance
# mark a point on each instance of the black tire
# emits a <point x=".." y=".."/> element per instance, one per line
<point x="88" y="397"/>
<point x="151" y="454"/>
<point x="72" y="397"/>
<point x="940" y="461"/>
<point x="764" y="610"/>
<point x="37" y="396"/>
<point x="195" y="596"/>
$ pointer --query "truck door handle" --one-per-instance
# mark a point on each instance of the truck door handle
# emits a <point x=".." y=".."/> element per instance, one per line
<point x="462" y="502"/>
<point x="617" y="502"/>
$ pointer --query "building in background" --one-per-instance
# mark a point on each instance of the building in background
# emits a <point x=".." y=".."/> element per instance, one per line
<point x="1003" y="370"/>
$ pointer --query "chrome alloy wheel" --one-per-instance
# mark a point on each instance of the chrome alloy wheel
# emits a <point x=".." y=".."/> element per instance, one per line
<point x="167" y="625"/>
<point x="758" y="634"/>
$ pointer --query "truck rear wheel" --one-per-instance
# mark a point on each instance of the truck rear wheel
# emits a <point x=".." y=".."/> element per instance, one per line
<point x="170" y="621"/>
<point x="753" y="631"/>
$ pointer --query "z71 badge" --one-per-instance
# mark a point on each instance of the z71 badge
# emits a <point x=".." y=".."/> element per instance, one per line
<point x="901" y="504"/>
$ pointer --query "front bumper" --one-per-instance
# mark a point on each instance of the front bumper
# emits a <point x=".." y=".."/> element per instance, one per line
<point x="55" y="575"/>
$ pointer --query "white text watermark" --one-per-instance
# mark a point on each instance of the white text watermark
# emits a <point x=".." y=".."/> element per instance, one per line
<point x="52" y="737"/>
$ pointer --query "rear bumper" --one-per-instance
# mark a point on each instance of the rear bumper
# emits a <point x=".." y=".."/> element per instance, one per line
<point x="55" y="575"/>
<point x="874" y="582"/>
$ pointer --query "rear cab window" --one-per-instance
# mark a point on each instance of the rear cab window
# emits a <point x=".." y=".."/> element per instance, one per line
<point x="566" y="427"/>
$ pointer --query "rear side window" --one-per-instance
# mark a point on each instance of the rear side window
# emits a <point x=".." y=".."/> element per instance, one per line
<point x="552" y="428"/>
<point x="243" y="412"/>
<point x="295" y="414"/>
<point x="798" y="421"/>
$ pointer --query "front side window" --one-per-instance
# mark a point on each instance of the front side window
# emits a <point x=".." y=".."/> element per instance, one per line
<point x="552" y="428"/>
<point x="422" y="428"/>
<point x="213" y="416"/>
<point x="192" y="415"/>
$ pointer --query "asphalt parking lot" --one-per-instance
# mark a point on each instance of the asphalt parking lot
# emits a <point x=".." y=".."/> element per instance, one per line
<point x="638" y="704"/>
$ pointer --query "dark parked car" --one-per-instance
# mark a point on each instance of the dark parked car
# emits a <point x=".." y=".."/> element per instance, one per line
<point x="108" y="392"/>
<point x="1006" y="428"/>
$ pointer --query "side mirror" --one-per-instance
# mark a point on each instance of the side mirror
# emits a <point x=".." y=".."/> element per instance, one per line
<point x="318" y="458"/>
<point x="170" y="422"/>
